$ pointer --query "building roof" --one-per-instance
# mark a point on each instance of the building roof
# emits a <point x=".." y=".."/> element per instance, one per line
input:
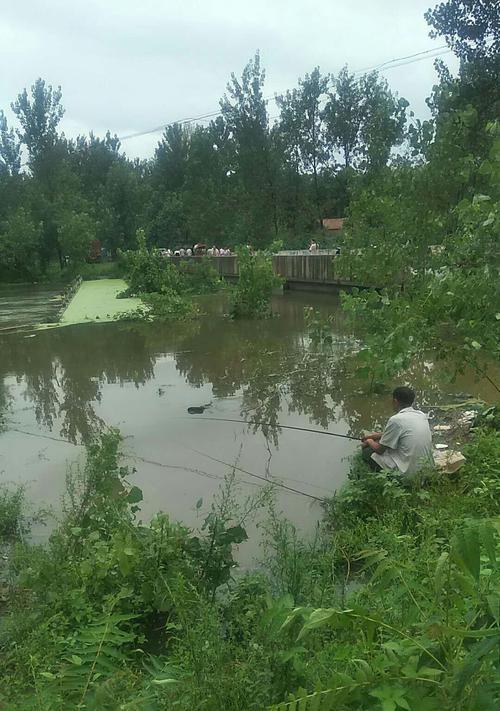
<point x="333" y="223"/>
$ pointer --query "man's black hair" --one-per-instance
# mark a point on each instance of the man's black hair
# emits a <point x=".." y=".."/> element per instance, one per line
<point x="405" y="396"/>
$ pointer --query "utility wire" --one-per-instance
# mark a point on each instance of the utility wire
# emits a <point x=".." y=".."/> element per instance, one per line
<point x="389" y="64"/>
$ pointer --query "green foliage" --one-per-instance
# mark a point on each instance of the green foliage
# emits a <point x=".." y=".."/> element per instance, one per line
<point x="11" y="512"/>
<point x="427" y="304"/>
<point x="19" y="246"/>
<point x="107" y="592"/>
<point x="252" y="295"/>
<point x="164" y="287"/>
<point x="76" y="234"/>
<point x="201" y="276"/>
<point x="393" y="604"/>
<point x="39" y="116"/>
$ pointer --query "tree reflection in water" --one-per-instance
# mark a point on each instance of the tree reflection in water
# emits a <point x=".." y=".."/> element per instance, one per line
<point x="270" y="365"/>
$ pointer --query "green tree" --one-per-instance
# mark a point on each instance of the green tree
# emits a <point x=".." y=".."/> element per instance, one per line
<point x="76" y="234"/>
<point x="120" y="206"/>
<point x="91" y="158"/>
<point x="20" y="246"/>
<point x="343" y="115"/>
<point x="383" y="121"/>
<point x="209" y="207"/>
<point x="470" y="27"/>
<point x="10" y="149"/>
<point x="244" y="110"/>
<point x="39" y="117"/>
<point x="302" y="128"/>
<point x="171" y="158"/>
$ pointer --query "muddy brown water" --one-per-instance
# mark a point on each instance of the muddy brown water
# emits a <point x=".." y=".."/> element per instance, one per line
<point x="22" y="305"/>
<point x="59" y="387"/>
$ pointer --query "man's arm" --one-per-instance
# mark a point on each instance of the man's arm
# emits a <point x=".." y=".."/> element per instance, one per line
<point x="374" y="435"/>
<point x="375" y="445"/>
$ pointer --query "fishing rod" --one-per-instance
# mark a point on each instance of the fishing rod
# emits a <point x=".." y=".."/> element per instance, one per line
<point x="285" y="427"/>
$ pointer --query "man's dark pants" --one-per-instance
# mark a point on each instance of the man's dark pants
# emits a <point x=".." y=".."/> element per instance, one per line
<point x="366" y="453"/>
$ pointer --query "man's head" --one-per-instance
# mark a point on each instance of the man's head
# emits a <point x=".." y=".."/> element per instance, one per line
<point x="402" y="397"/>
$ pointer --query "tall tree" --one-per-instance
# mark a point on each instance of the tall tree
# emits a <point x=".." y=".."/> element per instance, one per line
<point x="244" y="110"/>
<point x="90" y="158"/>
<point x="10" y="148"/>
<point x="470" y="27"/>
<point x="39" y="117"/>
<point x="383" y="121"/>
<point x="312" y="147"/>
<point x="171" y="158"/>
<point x="343" y="115"/>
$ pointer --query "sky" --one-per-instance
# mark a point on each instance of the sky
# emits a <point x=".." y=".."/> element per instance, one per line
<point x="130" y="66"/>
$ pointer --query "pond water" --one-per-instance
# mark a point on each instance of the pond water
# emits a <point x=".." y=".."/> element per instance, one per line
<point x="23" y="305"/>
<point x="58" y="387"/>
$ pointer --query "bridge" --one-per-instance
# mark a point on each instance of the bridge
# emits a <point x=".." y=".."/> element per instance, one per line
<point x="299" y="270"/>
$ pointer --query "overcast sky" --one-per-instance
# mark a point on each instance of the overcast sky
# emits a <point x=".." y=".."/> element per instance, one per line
<point x="132" y="65"/>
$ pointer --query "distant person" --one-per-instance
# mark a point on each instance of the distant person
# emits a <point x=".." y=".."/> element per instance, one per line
<point x="313" y="247"/>
<point x="405" y="445"/>
<point x="189" y="252"/>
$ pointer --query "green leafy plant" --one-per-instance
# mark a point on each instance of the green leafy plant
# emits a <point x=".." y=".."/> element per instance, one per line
<point x="252" y="295"/>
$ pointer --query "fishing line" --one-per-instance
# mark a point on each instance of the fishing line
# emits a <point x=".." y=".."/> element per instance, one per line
<point x="168" y="466"/>
<point x="277" y="424"/>
<point x="257" y="476"/>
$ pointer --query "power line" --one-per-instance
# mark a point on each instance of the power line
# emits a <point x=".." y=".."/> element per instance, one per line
<point x="389" y="64"/>
<point x="423" y="55"/>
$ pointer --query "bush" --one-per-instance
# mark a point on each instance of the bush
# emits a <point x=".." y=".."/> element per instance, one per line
<point x="252" y="296"/>
<point x="11" y="511"/>
<point x="201" y="277"/>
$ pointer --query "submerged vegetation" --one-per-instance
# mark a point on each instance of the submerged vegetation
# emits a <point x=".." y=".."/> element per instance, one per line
<point x="394" y="604"/>
<point x="165" y="289"/>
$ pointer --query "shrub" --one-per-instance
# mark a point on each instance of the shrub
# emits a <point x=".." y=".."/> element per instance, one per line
<point x="252" y="296"/>
<point x="11" y="511"/>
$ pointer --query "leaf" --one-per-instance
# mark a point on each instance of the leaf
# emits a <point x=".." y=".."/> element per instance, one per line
<point x="318" y="618"/>
<point x="235" y="534"/>
<point x="199" y="503"/>
<point x="440" y="572"/>
<point x="466" y="551"/>
<point x="164" y="682"/>
<point x="494" y="606"/>
<point x="477" y="346"/>
<point x="487" y="537"/>
<point x="134" y="495"/>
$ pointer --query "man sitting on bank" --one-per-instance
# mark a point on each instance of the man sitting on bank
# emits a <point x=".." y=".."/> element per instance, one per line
<point x="405" y="445"/>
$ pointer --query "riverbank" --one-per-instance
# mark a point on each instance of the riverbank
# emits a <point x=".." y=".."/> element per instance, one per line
<point x="395" y="600"/>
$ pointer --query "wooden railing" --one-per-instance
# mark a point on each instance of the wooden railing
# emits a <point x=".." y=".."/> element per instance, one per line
<point x="297" y="270"/>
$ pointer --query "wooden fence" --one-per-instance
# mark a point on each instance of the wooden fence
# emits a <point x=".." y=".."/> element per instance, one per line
<point x="298" y="270"/>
